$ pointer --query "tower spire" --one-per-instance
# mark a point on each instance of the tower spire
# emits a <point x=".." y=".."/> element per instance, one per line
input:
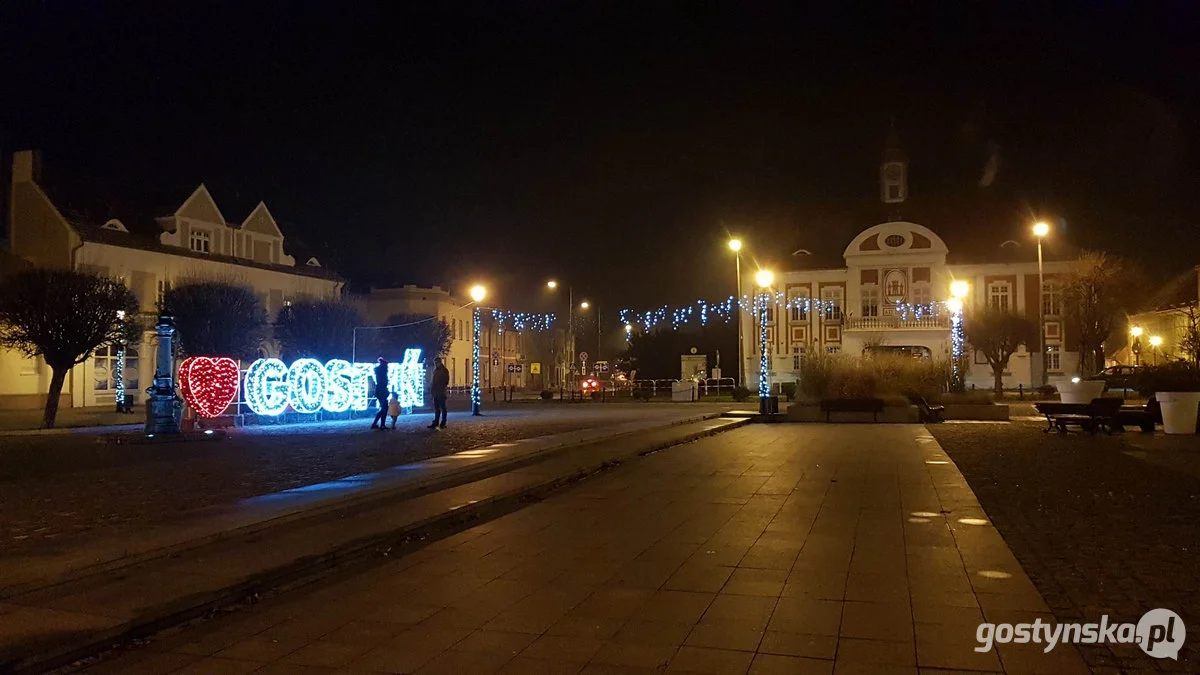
<point x="893" y="170"/>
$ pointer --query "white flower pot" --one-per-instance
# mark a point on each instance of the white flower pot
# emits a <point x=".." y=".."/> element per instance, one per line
<point x="1082" y="391"/>
<point x="1179" y="410"/>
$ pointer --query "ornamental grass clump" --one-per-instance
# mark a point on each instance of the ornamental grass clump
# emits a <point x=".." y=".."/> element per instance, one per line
<point x="830" y="376"/>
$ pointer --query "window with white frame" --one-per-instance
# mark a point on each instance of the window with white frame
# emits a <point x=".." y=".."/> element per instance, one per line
<point x="797" y="357"/>
<point x="922" y="294"/>
<point x="1000" y="295"/>
<point x="104" y="368"/>
<point x="770" y="313"/>
<point x="200" y="241"/>
<point x="163" y="287"/>
<point x="833" y="349"/>
<point x="1054" y="358"/>
<point x="870" y="301"/>
<point x="798" y="309"/>
<point x="831" y="298"/>
<point x="1052" y="298"/>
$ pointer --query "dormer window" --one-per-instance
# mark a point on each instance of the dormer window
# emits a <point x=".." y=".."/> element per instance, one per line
<point x="200" y="241"/>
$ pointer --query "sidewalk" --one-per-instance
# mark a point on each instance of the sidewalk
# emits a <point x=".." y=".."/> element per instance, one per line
<point x="80" y="600"/>
<point x="770" y="549"/>
<point x="16" y="422"/>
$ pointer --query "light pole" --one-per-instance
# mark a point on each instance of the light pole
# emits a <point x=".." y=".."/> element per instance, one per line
<point x="478" y="293"/>
<point x="735" y="245"/>
<point x="1040" y="230"/>
<point x="958" y="292"/>
<point x="1136" y="347"/>
<point x="764" y="279"/>
<point x="570" y="346"/>
<point x="1156" y="342"/>
<point x="585" y="305"/>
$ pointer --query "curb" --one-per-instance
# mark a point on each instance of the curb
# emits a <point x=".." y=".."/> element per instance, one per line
<point x="311" y="568"/>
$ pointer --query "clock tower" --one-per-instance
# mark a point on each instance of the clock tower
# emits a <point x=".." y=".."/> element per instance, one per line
<point x="893" y="171"/>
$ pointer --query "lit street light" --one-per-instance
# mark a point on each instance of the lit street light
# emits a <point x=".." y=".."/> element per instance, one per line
<point x="478" y="293"/>
<point x="764" y="279"/>
<point x="1156" y="342"/>
<point x="1040" y="230"/>
<point x="958" y="292"/>
<point x="585" y="305"/>
<point x="735" y="245"/>
<point x="1136" y="347"/>
<point x="570" y="346"/>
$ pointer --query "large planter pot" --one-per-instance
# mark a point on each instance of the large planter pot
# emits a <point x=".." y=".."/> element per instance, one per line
<point x="1082" y="391"/>
<point x="1179" y="410"/>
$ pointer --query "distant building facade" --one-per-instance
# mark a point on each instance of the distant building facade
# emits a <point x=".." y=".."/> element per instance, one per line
<point x="1169" y="317"/>
<point x="149" y="253"/>
<point x="890" y="295"/>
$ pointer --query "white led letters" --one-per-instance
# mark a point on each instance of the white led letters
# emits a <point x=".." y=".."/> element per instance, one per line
<point x="337" y="386"/>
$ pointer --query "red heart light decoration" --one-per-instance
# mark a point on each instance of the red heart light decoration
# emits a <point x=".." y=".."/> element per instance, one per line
<point x="209" y="383"/>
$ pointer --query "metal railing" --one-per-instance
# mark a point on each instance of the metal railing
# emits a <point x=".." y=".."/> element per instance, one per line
<point x="883" y="322"/>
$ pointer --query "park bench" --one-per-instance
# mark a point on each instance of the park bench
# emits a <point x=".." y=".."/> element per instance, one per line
<point x="1090" y="417"/>
<point x="927" y="412"/>
<point x="871" y="405"/>
<point x="1143" y="417"/>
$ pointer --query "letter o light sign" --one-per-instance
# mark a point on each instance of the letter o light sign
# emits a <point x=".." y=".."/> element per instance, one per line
<point x="308" y="386"/>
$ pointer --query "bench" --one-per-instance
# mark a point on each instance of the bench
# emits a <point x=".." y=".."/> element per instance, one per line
<point x="871" y="405"/>
<point x="1143" y="417"/>
<point x="1100" y="413"/>
<point x="927" y="412"/>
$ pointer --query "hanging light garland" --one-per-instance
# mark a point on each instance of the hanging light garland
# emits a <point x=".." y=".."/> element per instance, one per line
<point x="522" y="320"/>
<point x="764" y="364"/>
<point x="724" y="310"/>
<point x="476" y="393"/>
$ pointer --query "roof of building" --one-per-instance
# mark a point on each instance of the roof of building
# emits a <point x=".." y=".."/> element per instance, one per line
<point x="1181" y="291"/>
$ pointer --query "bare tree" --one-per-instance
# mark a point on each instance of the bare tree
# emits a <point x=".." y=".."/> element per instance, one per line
<point x="1189" y="340"/>
<point x="428" y="333"/>
<point x="321" y="329"/>
<point x="1097" y="292"/>
<point x="215" y="318"/>
<point x="63" y="316"/>
<point x="997" y="334"/>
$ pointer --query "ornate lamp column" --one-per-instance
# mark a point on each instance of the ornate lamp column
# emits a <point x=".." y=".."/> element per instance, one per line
<point x="958" y="291"/>
<point x="478" y="293"/>
<point x="764" y="278"/>
<point x="119" y="367"/>
<point x="163" y="409"/>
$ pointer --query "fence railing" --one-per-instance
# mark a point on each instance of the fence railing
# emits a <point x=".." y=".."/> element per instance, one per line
<point x="878" y="322"/>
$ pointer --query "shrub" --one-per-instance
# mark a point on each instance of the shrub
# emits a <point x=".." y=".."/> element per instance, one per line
<point x="1047" y="390"/>
<point x="839" y="376"/>
<point x="788" y="389"/>
<point x="546" y="394"/>
<point x="1175" y="376"/>
<point x="643" y="394"/>
<point x="741" y="394"/>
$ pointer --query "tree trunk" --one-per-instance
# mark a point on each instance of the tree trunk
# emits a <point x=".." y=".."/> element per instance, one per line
<point x="58" y="375"/>
<point x="998" y="373"/>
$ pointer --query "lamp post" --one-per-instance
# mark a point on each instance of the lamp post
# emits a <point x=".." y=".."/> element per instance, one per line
<point x="958" y="292"/>
<point x="1040" y="230"/>
<point x="764" y="279"/>
<point x="570" y="346"/>
<point x="1136" y="347"/>
<point x="735" y="245"/>
<point x="478" y="293"/>
<point x="1156" y="342"/>
<point x="585" y="305"/>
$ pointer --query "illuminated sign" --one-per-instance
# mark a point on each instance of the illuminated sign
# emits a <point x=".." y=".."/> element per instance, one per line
<point x="208" y="384"/>
<point x="308" y="386"/>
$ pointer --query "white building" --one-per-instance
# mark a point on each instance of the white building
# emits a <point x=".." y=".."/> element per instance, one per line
<point x="149" y="252"/>
<point x="890" y="269"/>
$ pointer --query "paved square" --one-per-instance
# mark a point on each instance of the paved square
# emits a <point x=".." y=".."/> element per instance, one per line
<point x="768" y="549"/>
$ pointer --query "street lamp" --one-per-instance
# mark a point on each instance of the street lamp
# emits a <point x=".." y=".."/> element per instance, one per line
<point x="958" y="292"/>
<point x="1156" y="342"/>
<point x="735" y="245"/>
<point x="1040" y="230"/>
<point x="570" y="346"/>
<point x="478" y="293"/>
<point x="764" y="279"/>
<point x="1136" y="347"/>
<point x="585" y="305"/>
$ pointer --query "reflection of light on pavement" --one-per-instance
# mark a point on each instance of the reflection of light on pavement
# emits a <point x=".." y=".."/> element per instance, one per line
<point x="502" y="445"/>
<point x="470" y="454"/>
<point x="918" y="520"/>
<point x="972" y="521"/>
<point x="994" y="574"/>
<point x="936" y="461"/>
<point x="924" y="514"/>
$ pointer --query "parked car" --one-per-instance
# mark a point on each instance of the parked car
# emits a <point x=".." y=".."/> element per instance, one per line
<point x="1119" y="377"/>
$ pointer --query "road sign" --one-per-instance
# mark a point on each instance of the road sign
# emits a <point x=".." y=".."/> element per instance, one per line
<point x="583" y="357"/>
<point x="535" y="368"/>
<point x="601" y="366"/>
<point x="495" y="357"/>
<point x="514" y="368"/>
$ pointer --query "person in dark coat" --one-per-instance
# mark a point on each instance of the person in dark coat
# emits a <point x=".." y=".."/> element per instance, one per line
<point x="381" y="394"/>
<point x="437" y="388"/>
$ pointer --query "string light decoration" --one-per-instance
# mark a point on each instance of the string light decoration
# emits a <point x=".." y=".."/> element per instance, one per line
<point x="476" y="393"/>
<point x="764" y="364"/>
<point x="957" y="343"/>
<point x="119" y="375"/>
<point x="307" y="385"/>
<point x="522" y="320"/>
<point x="208" y="384"/>
<point x="267" y="387"/>
<point x="726" y="310"/>
<point x="407" y="379"/>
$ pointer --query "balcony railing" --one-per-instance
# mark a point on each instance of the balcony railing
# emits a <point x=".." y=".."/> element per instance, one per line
<point x="896" y="322"/>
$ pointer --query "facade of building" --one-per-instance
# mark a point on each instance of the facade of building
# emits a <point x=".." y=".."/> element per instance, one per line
<point x="891" y="294"/>
<point x="507" y="355"/>
<point x="1169" y="318"/>
<point x="149" y="253"/>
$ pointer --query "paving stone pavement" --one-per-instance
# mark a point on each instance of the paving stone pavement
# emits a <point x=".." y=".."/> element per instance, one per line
<point x="769" y="549"/>
<point x="56" y="489"/>
<point x="1101" y="524"/>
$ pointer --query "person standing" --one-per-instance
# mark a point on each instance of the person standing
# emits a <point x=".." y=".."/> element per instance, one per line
<point x="381" y="394"/>
<point x="437" y="388"/>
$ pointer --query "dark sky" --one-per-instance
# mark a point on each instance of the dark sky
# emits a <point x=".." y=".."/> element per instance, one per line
<point x="611" y="144"/>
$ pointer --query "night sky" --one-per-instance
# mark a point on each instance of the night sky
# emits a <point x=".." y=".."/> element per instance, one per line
<point x="613" y="145"/>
